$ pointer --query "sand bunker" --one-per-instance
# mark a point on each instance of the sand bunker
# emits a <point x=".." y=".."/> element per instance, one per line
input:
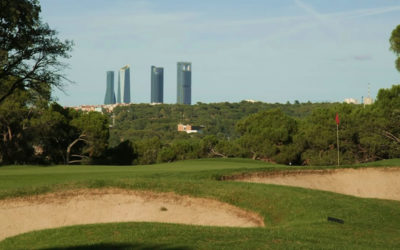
<point x="383" y="183"/>
<point x="19" y="215"/>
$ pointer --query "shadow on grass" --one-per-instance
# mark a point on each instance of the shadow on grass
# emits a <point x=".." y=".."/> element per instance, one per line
<point x="120" y="246"/>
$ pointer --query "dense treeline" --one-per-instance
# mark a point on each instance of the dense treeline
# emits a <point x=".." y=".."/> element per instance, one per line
<point x="152" y="129"/>
<point x="141" y="121"/>
<point x="36" y="130"/>
<point x="301" y="134"/>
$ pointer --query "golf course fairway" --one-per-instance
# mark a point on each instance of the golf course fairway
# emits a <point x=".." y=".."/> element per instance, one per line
<point x="279" y="216"/>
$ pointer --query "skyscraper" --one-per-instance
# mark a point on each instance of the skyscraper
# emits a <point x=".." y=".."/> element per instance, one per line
<point x="124" y="85"/>
<point x="110" y="94"/>
<point x="157" y="84"/>
<point x="184" y="82"/>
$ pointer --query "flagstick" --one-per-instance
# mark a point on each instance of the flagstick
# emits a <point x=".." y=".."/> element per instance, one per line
<point x="337" y="136"/>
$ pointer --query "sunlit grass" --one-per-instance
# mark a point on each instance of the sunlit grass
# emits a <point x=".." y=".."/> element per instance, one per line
<point x="294" y="217"/>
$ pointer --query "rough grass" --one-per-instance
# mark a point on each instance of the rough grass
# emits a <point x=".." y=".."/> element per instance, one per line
<point x="294" y="217"/>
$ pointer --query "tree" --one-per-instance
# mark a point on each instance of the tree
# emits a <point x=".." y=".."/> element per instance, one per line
<point x="52" y="133"/>
<point x="19" y="141"/>
<point x="209" y="146"/>
<point x="317" y="136"/>
<point x="29" y="50"/>
<point x="265" y="134"/>
<point x="122" y="154"/>
<point x="387" y="116"/>
<point x="374" y="143"/>
<point x="360" y="135"/>
<point x="14" y="144"/>
<point x="395" y="45"/>
<point x="69" y="136"/>
<point x="147" y="150"/>
<point x="91" y="138"/>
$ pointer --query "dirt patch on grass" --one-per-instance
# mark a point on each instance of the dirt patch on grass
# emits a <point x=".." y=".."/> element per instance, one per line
<point x="19" y="215"/>
<point x="383" y="183"/>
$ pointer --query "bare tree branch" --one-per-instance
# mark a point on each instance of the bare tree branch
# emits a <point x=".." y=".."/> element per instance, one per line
<point x="80" y="138"/>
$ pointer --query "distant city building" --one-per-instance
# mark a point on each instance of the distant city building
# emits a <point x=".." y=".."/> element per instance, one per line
<point x="110" y="94"/>
<point x="351" y="101"/>
<point x="184" y="82"/>
<point x="368" y="100"/>
<point x="189" y="128"/>
<point x="87" y="108"/>
<point x="157" y="84"/>
<point x="124" y="85"/>
<point x="109" y="108"/>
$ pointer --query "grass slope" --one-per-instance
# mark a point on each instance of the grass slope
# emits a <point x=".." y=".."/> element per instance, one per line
<point x="295" y="217"/>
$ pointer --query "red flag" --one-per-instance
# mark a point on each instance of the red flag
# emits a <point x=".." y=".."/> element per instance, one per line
<point x="337" y="119"/>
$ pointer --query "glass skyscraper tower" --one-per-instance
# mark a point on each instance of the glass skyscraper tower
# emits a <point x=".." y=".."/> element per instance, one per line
<point x="124" y="85"/>
<point x="184" y="82"/>
<point x="110" y="94"/>
<point x="157" y="84"/>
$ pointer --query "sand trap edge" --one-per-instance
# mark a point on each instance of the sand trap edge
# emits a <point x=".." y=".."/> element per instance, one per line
<point x="366" y="182"/>
<point x="84" y="206"/>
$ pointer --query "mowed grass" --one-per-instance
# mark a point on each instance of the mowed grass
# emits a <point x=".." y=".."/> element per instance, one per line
<point x="295" y="218"/>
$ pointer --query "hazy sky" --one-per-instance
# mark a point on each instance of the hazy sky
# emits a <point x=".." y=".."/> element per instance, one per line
<point x="271" y="51"/>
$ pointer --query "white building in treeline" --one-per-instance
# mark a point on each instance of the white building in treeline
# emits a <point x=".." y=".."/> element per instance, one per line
<point x="351" y="101"/>
<point x="368" y="101"/>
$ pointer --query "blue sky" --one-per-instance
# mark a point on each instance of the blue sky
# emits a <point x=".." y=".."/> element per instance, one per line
<point x="271" y="51"/>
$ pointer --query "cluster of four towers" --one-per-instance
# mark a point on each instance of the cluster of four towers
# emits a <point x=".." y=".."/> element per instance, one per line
<point x="184" y="85"/>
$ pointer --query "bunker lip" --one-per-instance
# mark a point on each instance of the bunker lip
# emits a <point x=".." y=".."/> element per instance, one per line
<point x="90" y="206"/>
<point x="297" y="172"/>
<point x="368" y="182"/>
<point x="272" y="173"/>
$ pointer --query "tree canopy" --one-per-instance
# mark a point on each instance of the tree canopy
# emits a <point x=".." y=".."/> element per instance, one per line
<point x="30" y="51"/>
<point x="264" y="134"/>
<point x="395" y="45"/>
